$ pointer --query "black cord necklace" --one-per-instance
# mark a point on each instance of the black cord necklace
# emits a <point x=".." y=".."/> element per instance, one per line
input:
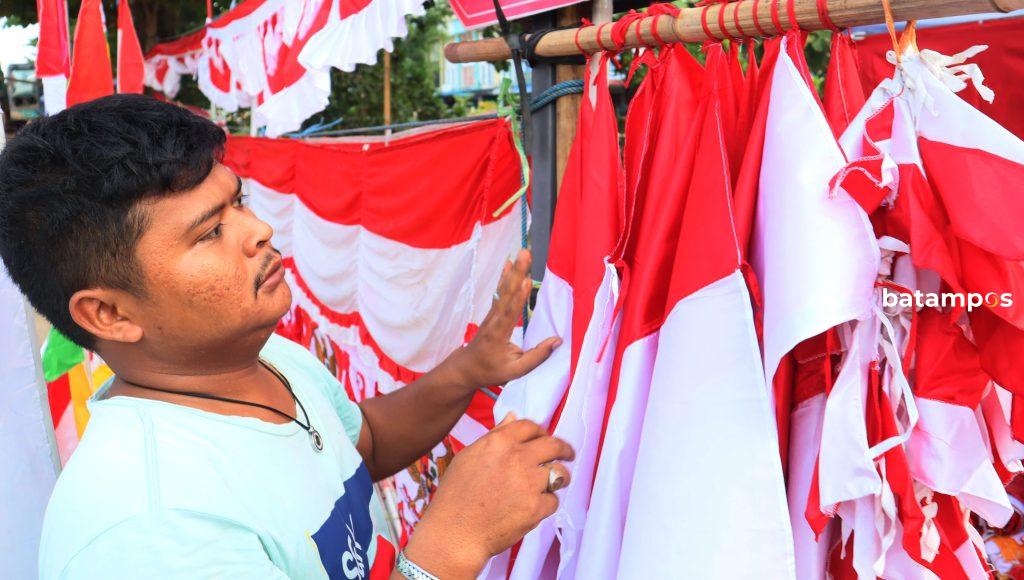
<point x="314" y="436"/>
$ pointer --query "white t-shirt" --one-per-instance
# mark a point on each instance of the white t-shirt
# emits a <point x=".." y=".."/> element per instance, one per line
<point x="158" y="490"/>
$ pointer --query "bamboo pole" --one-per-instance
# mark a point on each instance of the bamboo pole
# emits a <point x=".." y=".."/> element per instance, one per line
<point x="567" y="108"/>
<point x="688" y="26"/>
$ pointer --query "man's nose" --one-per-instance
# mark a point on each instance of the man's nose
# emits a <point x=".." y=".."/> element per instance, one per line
<point x="259" y="234"/>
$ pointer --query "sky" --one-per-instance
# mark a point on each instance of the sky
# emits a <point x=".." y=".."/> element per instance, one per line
<point x="14" y="43"/>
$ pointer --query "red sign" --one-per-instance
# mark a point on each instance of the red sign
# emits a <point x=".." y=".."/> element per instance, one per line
<point x="477" y="13"/>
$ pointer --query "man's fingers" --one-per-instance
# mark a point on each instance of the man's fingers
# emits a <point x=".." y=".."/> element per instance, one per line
<point x="547" y="449"/>
<point x="532" y="358"/>
<point x="524" y="430"/>
<point x="548" y="505"/>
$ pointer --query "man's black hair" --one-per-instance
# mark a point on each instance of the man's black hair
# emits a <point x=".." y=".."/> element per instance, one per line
<point x="70" y="187"/>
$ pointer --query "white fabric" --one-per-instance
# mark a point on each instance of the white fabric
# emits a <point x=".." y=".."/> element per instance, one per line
<point x="949" y="453"/>
<point x="580" y="426"/>
<point x="28" y="467"/>
<point x="601" y="543"/>
<point x="708" y="452"/>
<point x="536" y="395"/>
<point x="804" y="441"/>
<point x="55" y="94"/>
<point x="345" y="43"/>
<point x="845" y="470"/>
<point x="815" y="255"/>
<point x="287" y="109"/>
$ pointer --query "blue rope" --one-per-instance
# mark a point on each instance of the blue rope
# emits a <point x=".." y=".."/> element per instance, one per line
<point x="553" y="92"/>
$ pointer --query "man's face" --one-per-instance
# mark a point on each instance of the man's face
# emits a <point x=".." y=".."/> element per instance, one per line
<point x="210" y="271"/>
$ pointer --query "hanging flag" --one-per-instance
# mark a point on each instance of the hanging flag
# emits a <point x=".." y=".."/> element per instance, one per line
<point x="28" y="469"/>
<point x="91" y="75"/>
<point x="659" y="164"/>
<point x="707" y="470"/>
<point x="53" y="59"/>
<point x="578" y="418"/>
<point x="130" y="66"/>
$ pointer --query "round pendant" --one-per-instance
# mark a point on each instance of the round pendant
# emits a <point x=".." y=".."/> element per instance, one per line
<point x="316" y="440"/>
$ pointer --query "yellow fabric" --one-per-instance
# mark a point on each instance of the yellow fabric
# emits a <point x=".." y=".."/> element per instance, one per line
<point x="82" y="387"/>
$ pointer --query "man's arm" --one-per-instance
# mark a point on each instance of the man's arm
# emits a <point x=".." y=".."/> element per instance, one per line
<point x="400" y="427"/>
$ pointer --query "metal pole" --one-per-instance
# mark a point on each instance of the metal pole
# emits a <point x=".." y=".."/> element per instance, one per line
<point x="543" y="128"/>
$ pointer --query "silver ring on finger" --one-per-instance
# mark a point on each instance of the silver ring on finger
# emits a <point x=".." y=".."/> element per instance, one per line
<point x="497" y="296"/>
<point x="554" y="480"/>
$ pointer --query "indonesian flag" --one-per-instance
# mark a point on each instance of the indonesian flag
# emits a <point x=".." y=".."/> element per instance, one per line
<point x="130" y="67"/>
<point x="53" y="60"/>
<point x="91" y="76"/>
<point x="658" y="163"/>
<point x="707" y="471"/>
<point x="392" y="249"/>
<point x="584" y="291"/>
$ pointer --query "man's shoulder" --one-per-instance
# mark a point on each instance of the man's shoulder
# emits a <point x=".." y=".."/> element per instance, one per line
<point x="103" y="484"/>
<point x="120" y="470"/>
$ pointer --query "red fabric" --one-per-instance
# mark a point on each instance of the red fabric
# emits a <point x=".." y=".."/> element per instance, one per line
<point x="749" y="178"/>
<point x="58" y="393"/>
<point x="707" y="248"/>
<point x="594" y="193"/>
<point x="54" y="55"/>
<point x="418" y="173"/>
<point x="130" y="68"/>
<point x="179" y="46"/>
<point x="947" y="367"/>
<point x="981" y="193"/>
<point x="844" y="93"/>
<point x="91" y="76"/>
<point x="383" y="561"/>
<point x="241" y="10"/>
<point x="1002" y="63"/>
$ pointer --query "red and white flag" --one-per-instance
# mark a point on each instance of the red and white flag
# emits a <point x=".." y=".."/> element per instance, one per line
<point x="53" y="59"/>
<point x="130" y="66"/>
<point x="577" y="303"/>
<point x="91" y="74"/>
<point x="707" y="470"/>
<point x="658" y="163"/>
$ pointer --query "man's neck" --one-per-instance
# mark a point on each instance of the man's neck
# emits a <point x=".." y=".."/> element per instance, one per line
<point x="232" y="375"/>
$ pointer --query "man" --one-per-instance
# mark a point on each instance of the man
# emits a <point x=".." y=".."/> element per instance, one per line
<point x="220" y="450"/>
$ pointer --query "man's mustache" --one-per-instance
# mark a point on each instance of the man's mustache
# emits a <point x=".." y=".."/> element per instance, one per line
<point x="261" y="276"/>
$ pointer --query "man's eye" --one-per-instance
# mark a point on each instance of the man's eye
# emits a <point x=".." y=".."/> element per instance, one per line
<point x="240" y="200"/>
<point x="214" y="233"/>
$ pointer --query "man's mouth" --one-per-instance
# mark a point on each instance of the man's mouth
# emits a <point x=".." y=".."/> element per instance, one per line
<point x="272" y="273"/>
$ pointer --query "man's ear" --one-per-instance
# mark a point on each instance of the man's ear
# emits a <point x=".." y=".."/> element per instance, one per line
<point x="104" y="313"/>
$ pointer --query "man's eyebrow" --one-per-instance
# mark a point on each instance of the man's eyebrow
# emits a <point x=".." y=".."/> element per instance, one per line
<point x="206" y="215"/>
<point x="238" y="190"/>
